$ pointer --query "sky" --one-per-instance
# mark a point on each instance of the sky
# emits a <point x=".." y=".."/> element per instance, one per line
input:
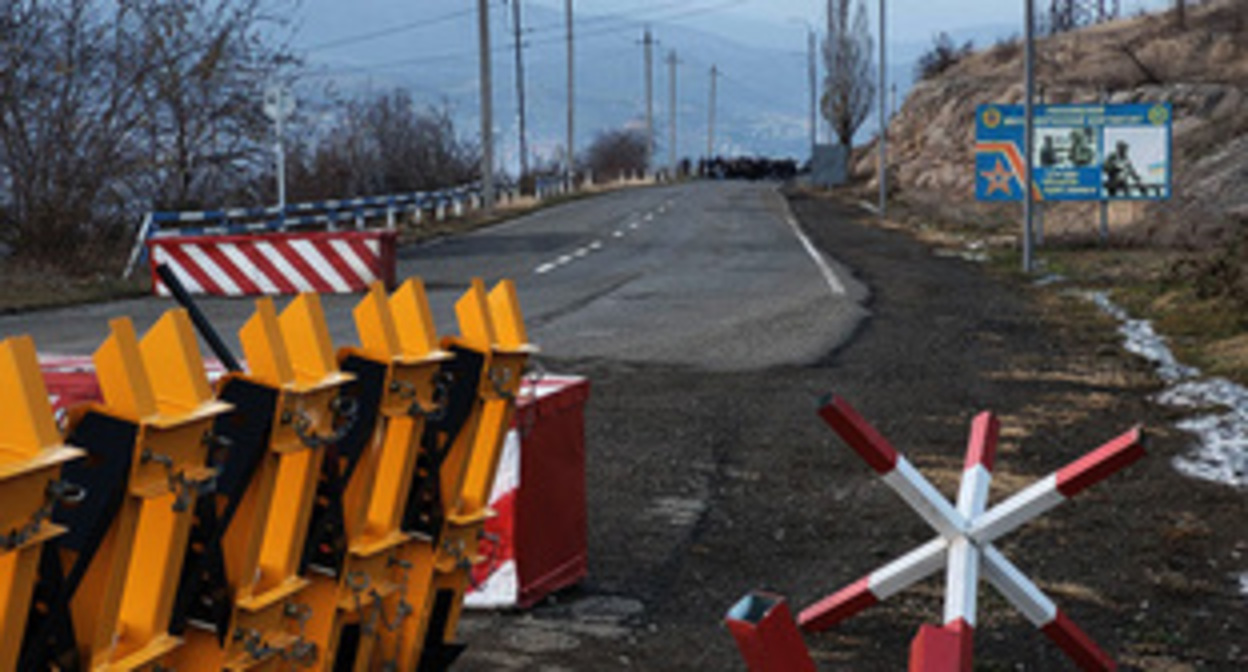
<point x="429" y="47"/>
<point x="908" y="20"/>
<point x="753" y="21"/>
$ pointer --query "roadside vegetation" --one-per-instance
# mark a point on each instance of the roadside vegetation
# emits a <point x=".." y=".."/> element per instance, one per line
<point x="112" y="109"/>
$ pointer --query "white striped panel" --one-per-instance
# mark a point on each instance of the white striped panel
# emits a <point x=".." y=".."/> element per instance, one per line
<point x="507" y="478"/>
<point x="1017" y="588"/>
<point x="279" y="262"/>
<point x="358" y="266"/>
<point x="307" y="250"/>
<point x="909" y="569"/>
<point x="188" y="282"/>
<point x="1011" y="514"/>
<point x="210" y="267"/>
<point x="257" y="277"/>
<point x="961" y="581"/>
<point x="501" y="589"/>
<point x="925" y="499"/>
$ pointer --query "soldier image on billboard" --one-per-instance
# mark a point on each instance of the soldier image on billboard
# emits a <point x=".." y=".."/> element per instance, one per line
<point x="1120" y="173"/>
<point x="1082" y="152"/>
<point x="1048" y="152"/>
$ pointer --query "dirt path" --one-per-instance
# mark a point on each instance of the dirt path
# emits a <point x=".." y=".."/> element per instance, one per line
<point x="705" y="485"/>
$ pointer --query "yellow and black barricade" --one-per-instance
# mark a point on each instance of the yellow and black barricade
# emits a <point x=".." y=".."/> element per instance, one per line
<point x="105" y="591"/>
<point x="242" y="604"/>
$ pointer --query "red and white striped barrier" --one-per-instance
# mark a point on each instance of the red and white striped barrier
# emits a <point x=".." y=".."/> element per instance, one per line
<point x="537" y="541"/>
<point x="964" y="546"/>
<point x="277" y="263"/>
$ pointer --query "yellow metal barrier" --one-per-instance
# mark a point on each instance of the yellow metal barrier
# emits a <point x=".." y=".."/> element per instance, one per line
<point x="31" y="455"/>
<point x="245" y="605"/>
<point x="365" y="587"/>
<point x="105" y="592"/>
<point x="492" y="337"/>
<point x="320" y="512"/>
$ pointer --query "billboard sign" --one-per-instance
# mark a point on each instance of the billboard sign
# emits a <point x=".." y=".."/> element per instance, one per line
<point x="1082" y="152"/>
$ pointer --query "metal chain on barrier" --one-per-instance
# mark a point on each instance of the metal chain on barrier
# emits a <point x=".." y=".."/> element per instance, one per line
<point x="58" y="491"/>
<point x="185" y="489"/>
<point x="441" y="399"/>
<point x="535" y="373"/>
<point x="346" y="412"/>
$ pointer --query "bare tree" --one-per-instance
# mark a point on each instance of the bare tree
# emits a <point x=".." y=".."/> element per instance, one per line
<point x="848" y="88"/>
<point x="70" y="105"/>
<point x="614" y="154"/>
<point x="109" y="106"/>
<point x="382" y="145"/>
<point x="209" y="61"/>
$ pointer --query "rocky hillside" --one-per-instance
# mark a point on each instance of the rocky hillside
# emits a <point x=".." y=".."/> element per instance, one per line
<point x="1201" y="68"/>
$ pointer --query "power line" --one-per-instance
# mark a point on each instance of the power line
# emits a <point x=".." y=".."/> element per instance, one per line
<point x="624" y="26"/>
<point x="386" y="32"/>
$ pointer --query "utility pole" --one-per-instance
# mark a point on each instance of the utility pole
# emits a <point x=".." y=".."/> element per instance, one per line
<point x="1029" y="76"/>
<point x="883" y="117"/>
<point x="648" y="42"/>
<point x="813" y="68"/>
<point x="710" y="133"/>
<point x="524" y="143"/>
<point x="671" y="124"/>
<point x="571" y="175"/>
<point x="487" y="106"/>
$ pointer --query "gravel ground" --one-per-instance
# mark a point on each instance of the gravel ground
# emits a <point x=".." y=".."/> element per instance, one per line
<point x="704" y="485"/>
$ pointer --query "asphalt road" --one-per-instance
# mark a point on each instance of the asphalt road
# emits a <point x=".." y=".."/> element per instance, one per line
<point x="709" y="275"/>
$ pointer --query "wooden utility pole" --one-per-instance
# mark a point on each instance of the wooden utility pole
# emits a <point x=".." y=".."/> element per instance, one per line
<point x="648" y="42"/>
<point x="813" y="72"/>
<point x="571" y="174"/>
<point x="710" y="129"/>
<point x="883" y="116"/>
<point x="524" y="143"/>
<point x="671" y="124"/>
<point x="487" y="106"/>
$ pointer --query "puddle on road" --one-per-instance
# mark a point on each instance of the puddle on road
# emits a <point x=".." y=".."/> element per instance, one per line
<point x="1220" y="452"/>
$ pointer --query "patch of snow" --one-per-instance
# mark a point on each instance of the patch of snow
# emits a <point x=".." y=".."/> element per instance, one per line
<point x="1141" y="339"/>
<point x="1050" y="279"/>
<point x="1220" y="453"/>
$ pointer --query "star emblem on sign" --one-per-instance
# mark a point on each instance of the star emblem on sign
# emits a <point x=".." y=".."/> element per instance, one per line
<point x="964" y="545"/>
<point x="998" y="178"/>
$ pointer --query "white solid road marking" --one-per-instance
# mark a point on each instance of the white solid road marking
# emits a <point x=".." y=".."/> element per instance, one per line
<point x="834" y="283"/>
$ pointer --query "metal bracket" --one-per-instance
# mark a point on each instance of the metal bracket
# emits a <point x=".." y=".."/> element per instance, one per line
<point x="185" y="489"/>
<point x="58" y="491"/>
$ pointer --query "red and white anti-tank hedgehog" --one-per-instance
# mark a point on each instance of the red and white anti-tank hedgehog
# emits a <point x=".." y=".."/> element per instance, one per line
<point x="963" y="547"/>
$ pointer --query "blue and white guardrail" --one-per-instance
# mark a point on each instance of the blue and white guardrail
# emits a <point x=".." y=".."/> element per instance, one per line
<point x="355" y="213"/>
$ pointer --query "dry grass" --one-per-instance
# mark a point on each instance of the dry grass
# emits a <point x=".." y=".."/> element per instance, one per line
<point x="26" y="288"/>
